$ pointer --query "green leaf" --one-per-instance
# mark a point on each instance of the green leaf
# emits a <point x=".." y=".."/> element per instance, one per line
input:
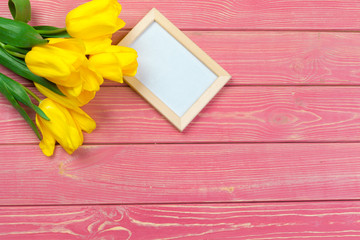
<point x="19" y="34"/>
<point x="20" y="10"/>
<point x="19" y="67"/>
<point x="5" y="91"/>
<point x="52" y="32"/>
<point x="40" y="112"/>
<point x="18" y="91"/>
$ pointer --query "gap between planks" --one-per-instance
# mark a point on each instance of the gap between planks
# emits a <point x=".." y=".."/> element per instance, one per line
<point x="192" y="143"/>
<point x="181" y="203"/>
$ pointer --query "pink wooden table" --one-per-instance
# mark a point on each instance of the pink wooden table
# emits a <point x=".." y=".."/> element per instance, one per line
<point x="275" y="155"/>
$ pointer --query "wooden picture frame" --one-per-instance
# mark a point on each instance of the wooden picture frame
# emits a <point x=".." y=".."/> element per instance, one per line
<point x="174" y="75"/>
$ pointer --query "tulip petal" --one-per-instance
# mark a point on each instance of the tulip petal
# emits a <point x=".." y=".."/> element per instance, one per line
<point x="97" y="45"/>
<point x="84" y="121"/>
<point x="71" y="44"/>
<point x="120" y="23"/>
<point x="90" y="78"/>
<point x="120" y="49"/>
<point x="107" y="65"/>
<point x="89" y="8"/>
<point x="42" y="62"/>
<point x="71" y="91"/>
<point x="85" y="97"/>
<point x="65" y="101"/>
<point x="115" y="62"/>
<point x="73" y="141"/>
<point x="69" y="102"/>
<point x="47" y="144"/>
<point x="131" y="69"/>
<point x="95" y="27"/>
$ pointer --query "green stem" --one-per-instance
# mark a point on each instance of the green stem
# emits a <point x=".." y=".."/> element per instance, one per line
<point x="32" y="94"/>
<point x="59" y="30"/>
<point x="15" y="54"/>
<point x="16" y="49"/>
<point x="10" y="49"/>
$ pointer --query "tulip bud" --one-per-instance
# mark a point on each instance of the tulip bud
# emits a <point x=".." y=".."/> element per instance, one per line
<point x="94" y="19"/>
<point x="94" y="22"/>
<point x="58" y="61"/>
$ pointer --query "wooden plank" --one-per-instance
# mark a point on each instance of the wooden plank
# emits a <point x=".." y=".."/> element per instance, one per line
<point x="277" y="58"/>
<point x="322" y="220"/>
<point x="175" y="173"/>
<point x="284" y="58"/>
<point x="236" y="114"/>
<point x="214" y="14"/>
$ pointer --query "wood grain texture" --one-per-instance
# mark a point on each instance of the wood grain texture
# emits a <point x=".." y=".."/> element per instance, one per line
<point x="236" y="114"/>
<point x="330" y="220"/>
<point x="214" y="14"/>
<point x="286" y="58"/>
<point x="179" y="173"/>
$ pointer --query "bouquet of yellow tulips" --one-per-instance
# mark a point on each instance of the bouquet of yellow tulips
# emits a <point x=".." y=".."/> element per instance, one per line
<point x="67" y="65"/>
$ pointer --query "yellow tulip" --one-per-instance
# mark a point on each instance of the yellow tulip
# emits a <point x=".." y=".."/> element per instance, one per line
<point x="114" y="62"/>
<point x="65" y="127"/>
<point x="95" y="22"/>
<point x="58" y="61"/>
<point x="63" y="62"/>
